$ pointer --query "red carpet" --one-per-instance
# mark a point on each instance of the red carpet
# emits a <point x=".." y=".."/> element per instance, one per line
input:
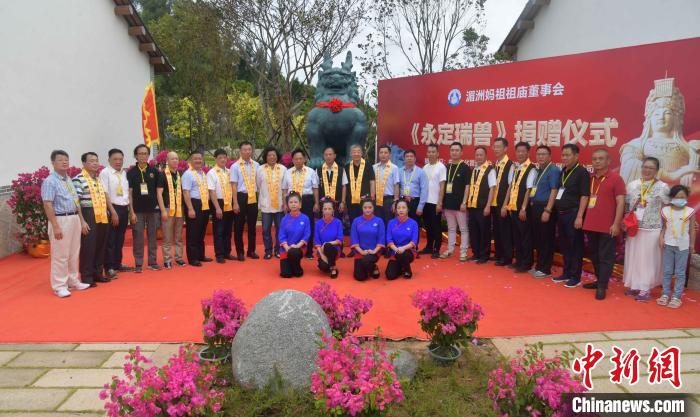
<point x="164" y="306"/>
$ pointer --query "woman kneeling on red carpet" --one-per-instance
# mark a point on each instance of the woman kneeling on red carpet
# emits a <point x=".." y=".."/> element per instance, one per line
<point x="402" y="241"/>
<point x="367" y="238"/>
<point x="295" y="230"/>
<point x="328" y="238"/>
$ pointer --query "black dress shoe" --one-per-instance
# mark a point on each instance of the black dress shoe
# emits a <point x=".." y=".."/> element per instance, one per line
<point x="334" y="274"/>
<point x="309" y="256"/>
<point x="591" y="285"/>
<point x="124" y="268"/>
<point x="253" y="255"/>
<point x="93" y="284"/>
<point x="220" y="261"/>
<point x="407" y="275"/>
<point x="481" y="261"/>
<point x="511" y="266"/>
<point x="600" y="294"/>
<point x="521" y="269"/>
<point x="230" y="258"/>
<point x="425" y="251"/>
<point x="180" y="262"/>
<point x="375" y="273"/>
<point x="471" y="258"/>
<point x="277" y="254"/>
<point x="240" y="257"/>
<point x="435" y="255"/>
<point x="500" y="263"/>
<point x="267" y="255"/>
<point x="112" y="274"/>
<point x="102" y="279"/>
<point x="196" y="263"/>
<point x="205" y="259"/>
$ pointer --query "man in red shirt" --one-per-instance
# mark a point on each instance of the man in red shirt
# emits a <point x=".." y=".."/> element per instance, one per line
<point x="603" y="217"/>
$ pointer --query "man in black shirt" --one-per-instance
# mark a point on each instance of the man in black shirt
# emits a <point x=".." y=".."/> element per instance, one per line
<point x="570" y="203"/>
<point x="143" y="204"/>
<point x="360" y="181"/>
<point x="502" y="233"/>
<point x="454" y="203"/>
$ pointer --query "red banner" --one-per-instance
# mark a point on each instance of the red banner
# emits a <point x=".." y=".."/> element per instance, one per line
<point x="149" y="117"/>
<point x="637" y="101"/>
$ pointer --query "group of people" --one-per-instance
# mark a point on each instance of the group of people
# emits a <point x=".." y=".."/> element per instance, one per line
<point x="519" y="205"/>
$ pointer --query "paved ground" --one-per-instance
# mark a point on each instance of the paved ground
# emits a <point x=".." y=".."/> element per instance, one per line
<point x="64" y="379"/>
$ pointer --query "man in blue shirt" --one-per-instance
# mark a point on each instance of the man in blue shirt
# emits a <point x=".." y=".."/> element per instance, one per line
<point x="413" y="185"/>
<point x="542" y="217"/>
<point x="65" y="224"/>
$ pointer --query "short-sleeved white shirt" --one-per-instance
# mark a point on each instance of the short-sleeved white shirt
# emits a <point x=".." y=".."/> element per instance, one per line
<point x="436" y="174"/>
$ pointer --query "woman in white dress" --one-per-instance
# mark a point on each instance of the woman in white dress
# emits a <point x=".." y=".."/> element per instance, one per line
<point x="643" y="259"/>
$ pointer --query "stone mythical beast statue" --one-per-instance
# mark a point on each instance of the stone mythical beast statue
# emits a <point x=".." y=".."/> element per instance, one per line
<point x="335" y="121"/>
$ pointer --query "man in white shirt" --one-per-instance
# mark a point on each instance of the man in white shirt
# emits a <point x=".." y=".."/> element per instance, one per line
<point x="113" y="179"/>
<point x="220" y="195"/>
<point x="432" y="211"/>
<point x="303" y="180"/>
<point x="245" y="200"/>
<point x="269" y="180"/>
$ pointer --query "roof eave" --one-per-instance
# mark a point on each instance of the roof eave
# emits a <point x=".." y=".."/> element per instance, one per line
<point x="525" y="22"/>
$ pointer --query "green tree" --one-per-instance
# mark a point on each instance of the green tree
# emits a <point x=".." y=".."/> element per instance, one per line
<point x="151" y="10"/>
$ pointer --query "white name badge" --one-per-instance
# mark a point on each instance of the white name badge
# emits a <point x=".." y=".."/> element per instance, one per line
<point x="560" y="193"/>
<point x="144" y="188"/>
<point x="448" y="188"/>
<point x="592" y="200"/>
<point x="406" y="191"/>
<point x="639" y="212"/>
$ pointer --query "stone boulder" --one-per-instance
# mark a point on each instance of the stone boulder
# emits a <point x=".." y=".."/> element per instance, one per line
<point x="281" y="335"/>
<point x="405" y="365"/>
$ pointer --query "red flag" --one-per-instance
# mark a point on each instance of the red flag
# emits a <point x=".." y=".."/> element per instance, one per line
<point x="149" y="117"/>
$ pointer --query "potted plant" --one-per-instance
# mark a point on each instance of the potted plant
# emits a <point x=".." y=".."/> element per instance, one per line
<point x="343" y="314"/>
<point x="533" y="385"/>
<point x="28" y="209"/>
<point x="223" y="316"/>
<point x="449" y="317"/>
<point x="354" y="380"/>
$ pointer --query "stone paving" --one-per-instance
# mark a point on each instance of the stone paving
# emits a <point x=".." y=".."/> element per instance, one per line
<point x="64" y="379"/>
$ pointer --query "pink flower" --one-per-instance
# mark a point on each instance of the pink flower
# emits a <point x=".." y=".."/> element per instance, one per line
<point x="223" y="316"/>
<point x="448" y="316"/>
<point x="343" y="314"/>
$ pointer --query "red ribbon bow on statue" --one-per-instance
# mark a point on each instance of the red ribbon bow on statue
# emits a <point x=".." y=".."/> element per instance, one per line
<point x="335" y="105"/>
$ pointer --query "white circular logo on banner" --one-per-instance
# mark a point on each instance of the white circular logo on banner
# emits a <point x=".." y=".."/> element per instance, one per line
<point x="454" y="97"/>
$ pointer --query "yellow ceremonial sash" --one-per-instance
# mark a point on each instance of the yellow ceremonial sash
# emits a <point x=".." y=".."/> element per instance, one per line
<point x="223" y="176"/>
<point x="249" y="181"/>
<point x="97" y="195"/>
<point x="515" y="186"/>
<point x="501" y="166"/>
<point x="329" y="189"/>
<point x="273" y="184"/>
<point x="174" y="195"/>
<point x="298" y="180"/>
<point x="356" y="185"/>
<point x="381" y="183"/>
<point x="474" y="187"/>
<point x="203" y="189"/>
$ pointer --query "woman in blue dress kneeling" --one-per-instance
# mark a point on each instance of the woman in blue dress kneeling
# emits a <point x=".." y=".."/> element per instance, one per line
<point x="402" y="241"/>
<point x="295" y="230"/>
<point x="328" y="238"/>
<point x="367" y="239"/>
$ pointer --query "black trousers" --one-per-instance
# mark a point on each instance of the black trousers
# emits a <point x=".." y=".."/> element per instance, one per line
<point x="196" y="230"/>
<point x="384" y="211"/>
<point x="480" y="233"/>
<point x="543" y="237"/>
<point x="601" y="248"/>
<point x="502" y="236"/>
<point x="222" y="231"/>
<point x="307" y="207"/>
<point x="433" y="227"/>
<point x="92" y="247"/>
<point x="400" y="265"/>
<point x="115" y="239"/>
<point x="364" y="267"/>
<point x="570" y="244"/>
<point x="290" y="266"/>
<point x="331" y="253"/>
<point x="522" y="240"/>
<point x="354" y="211"/>
<point x="248" y="215"/>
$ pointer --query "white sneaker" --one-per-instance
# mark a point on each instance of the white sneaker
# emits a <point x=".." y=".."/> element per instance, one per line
<point x="446" y="254"/>
<point x="81" y="286"/>
<point x="62" y="293"/>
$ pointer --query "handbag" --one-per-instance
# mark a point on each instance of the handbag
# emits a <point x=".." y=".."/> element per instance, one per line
<point x="630" y="221"/>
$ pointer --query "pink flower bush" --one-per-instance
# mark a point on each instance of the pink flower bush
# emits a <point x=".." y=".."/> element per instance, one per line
<point x="533" y="385"/>
<point x="343" y="314"/>
<point x="223" y="316"/>
<point x="183" y="387"/>
<point x="448" y="316"/>
<point x="352" y="380"/>
<point x="27" y="205"/>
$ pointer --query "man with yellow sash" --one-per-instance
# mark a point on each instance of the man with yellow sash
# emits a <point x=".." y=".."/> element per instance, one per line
<point x="304" y="181"/>
<point x="221" y="197"/>
<point x="116" y="185"/>
<point x="522" y="180"/>
<point x="196" y="196"/>
<point x="171" y="214"/>
<point x="269" y="180"/>
<point x="360" y="181"/>
<point x="482" y="185"/>
<point x="502" y="238"/>
<point x="245" y="199"/>
<point x="387" y="183"/>
<point x="333" y="181"/>
<point x="94" y="204"/>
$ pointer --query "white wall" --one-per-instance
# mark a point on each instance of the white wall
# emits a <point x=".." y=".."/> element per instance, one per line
<point x="572" y="26"/>
<point x="70" y="77"/>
